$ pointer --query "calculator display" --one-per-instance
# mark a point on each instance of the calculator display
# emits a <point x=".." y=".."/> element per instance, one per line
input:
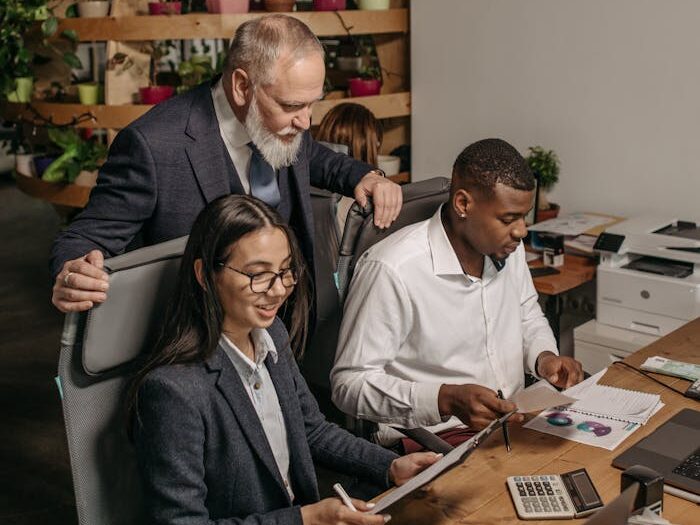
<point x="585" y="489"/>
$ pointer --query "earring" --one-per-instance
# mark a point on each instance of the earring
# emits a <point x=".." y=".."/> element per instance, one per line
<point x="463" y="215"/>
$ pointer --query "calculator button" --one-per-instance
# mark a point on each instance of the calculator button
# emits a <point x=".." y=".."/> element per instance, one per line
<point x="518" y="478"/>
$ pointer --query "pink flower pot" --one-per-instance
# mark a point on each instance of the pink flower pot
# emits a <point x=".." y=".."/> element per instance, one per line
<point x="164" y="8"/>
<point x="228" y="6"/>
<point x="360" y="87"/>
<point x="329" y="5"/>
<point x="155" y="94"/>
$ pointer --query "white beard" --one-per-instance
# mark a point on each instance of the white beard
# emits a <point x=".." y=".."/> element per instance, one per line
<point x="275" y="151"/>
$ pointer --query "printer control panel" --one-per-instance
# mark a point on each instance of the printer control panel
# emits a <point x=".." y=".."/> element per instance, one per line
<point x="608" y="242"/>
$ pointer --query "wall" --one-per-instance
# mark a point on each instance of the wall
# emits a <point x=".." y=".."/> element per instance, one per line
<point x="613" y="87"/>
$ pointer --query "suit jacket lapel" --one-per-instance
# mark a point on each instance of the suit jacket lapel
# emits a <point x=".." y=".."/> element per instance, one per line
<point x="300" y="461"/>
<point x="231" y="387"/>
<point x="207" y="153"/>
<point x="299" y="176"/>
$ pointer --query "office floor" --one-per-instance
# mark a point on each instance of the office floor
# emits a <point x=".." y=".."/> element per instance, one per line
<point x="35" y="479"/>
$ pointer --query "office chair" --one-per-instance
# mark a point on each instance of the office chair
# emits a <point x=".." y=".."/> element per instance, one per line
<point x="100" y="352"/>
<point x="420" y="201"/>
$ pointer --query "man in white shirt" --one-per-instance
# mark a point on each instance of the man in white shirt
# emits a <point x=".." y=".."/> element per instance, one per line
<point x="245" y="134"/>
<point x="443" y="314"/>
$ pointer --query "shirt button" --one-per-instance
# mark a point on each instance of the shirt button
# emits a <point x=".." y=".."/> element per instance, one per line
<point x="256" y="386"/>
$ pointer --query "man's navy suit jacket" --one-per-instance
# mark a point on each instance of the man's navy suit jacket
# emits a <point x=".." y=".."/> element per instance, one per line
<point x="167" y="165"/>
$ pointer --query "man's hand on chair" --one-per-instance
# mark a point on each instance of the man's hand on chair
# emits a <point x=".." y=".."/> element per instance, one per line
<point x="475" y="405"/>
<point x="386" y="197"/>
<point x="81" y="283"/>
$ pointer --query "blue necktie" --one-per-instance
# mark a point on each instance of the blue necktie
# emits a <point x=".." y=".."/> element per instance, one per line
<point x="263" y="180"/>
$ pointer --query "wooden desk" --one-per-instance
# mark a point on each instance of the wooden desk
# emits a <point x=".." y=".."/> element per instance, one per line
<point x="475" y="492"/>
<point x="576" y="271"/>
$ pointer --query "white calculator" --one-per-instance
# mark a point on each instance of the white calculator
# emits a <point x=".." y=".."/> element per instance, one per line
<point x="554" y="496"/>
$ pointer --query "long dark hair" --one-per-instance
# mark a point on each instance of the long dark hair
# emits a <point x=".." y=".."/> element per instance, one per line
<point x="193" y="322"/>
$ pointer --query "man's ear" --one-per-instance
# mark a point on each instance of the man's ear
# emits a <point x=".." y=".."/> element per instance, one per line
<point x="241" y="87"/>
<point x="199" y="273"/>
<point x="462" y="203"/>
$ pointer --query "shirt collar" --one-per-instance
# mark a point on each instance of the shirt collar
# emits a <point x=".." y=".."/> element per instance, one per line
<point x="445" y="261"/>
<point x="231" y="128"/>
<point x="263" y="346"/>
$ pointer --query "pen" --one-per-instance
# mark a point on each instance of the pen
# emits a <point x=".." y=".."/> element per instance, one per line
<point x="506" y="437"/>
<point x="340" y="491"/>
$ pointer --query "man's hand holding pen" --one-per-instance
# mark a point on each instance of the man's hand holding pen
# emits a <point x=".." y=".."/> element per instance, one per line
<point x="476" y="406"/>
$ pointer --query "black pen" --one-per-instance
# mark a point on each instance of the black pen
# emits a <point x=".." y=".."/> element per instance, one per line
<point x="506" y="438"/>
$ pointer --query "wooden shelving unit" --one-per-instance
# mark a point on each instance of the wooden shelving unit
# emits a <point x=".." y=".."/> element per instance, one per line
<point x="127" y="30"/>
<point x="392" y="105"/>
<point x="204" y="25"/>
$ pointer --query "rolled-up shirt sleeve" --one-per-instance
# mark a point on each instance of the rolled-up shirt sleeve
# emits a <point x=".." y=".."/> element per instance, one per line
<point x="377" y="319"/>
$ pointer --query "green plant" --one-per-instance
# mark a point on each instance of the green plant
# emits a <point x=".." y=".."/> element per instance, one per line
<point x="546" y="164"/>
<point x="365" y="48"/>
<point x="17" y="21"/>
<point x="78" y="155"/>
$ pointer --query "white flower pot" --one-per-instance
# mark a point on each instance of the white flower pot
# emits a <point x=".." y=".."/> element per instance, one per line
<point x="389" y="163"/>
<point x="93" y="8"/>
<point x="24" y="165"/>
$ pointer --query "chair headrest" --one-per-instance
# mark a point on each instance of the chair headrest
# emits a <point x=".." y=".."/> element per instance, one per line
<point x="420" y="200"/>
<point x="127" y="323"/>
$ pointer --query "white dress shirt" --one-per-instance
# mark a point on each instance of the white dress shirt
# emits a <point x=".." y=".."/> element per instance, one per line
<point x="414" y="320"/>
<point x="261" y="390"/>
<point x="233" y="133"/>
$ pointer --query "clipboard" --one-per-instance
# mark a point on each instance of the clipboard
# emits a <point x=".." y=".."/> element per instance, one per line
<point x="453" y="458"/>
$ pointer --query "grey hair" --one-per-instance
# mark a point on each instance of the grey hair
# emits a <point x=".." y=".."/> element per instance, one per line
<point x="258" y="43"/>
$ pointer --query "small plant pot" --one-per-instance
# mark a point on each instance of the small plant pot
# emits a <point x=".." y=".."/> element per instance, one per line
<point x="89" y="93"/>
<point x="329" y="5"/>
<point x="42" y="162"/>
<point x="389" y="164"/>
<point x="24" y="164"/>
<point x="164" y="8"/>
<point x="360" y="87"/>
<point x="228" y="6"/>
<point x="279" y="6"/>
<point x="373" y="5"/>
<point x="24" y="86"/>
<point x="93" y="8"/>
<point x="155" y="94"/>
<point x="549" y="213"/>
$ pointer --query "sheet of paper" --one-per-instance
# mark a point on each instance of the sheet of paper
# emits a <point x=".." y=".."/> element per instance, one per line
<point x="574" y="224"/>
<point x="457" y="455"/>
<point x="582" y="428"/>
<point x="539" y="396"/>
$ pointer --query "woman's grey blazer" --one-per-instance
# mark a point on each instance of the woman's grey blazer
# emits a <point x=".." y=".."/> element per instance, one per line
<point x="203" y="454"/>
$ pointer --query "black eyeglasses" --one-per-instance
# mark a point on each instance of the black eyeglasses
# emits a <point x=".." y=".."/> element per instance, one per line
<point x="262" y="282"/>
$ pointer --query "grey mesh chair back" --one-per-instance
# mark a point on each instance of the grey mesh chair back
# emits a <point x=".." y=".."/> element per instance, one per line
<point x="420" y="201"/>
<point x="99" y="355"/>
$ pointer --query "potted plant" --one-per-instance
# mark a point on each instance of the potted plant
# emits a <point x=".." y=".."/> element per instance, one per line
<point x="545" y="164"/>
<point x="18" y="18"/>
<point x="153" y="93"/>
<point x="89" y="93"/>
<point x="80" y="158"/>
<point x="93" y="8"/>
<point x="21" y="148"/>
<point x="369" y="78"/>
<point x="164" y="7"/>
<point x="196" y="70"/>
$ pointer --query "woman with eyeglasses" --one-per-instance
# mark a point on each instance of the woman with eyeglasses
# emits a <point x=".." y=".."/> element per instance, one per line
<point x="225" y="428"/>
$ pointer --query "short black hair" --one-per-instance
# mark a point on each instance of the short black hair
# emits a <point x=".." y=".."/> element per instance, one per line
<point x="485" y="163"/>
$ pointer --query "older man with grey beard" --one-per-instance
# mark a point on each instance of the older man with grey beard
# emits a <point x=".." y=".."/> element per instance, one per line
<point x="245" y="133"/>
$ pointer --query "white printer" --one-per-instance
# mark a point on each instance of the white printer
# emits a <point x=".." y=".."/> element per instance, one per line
<point x="648" y="284"/>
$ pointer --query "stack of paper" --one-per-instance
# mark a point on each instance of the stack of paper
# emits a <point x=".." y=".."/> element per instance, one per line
<point x="601" y="416"/>
<point x="661" y="365"/>
<point x="612" y="403"/>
